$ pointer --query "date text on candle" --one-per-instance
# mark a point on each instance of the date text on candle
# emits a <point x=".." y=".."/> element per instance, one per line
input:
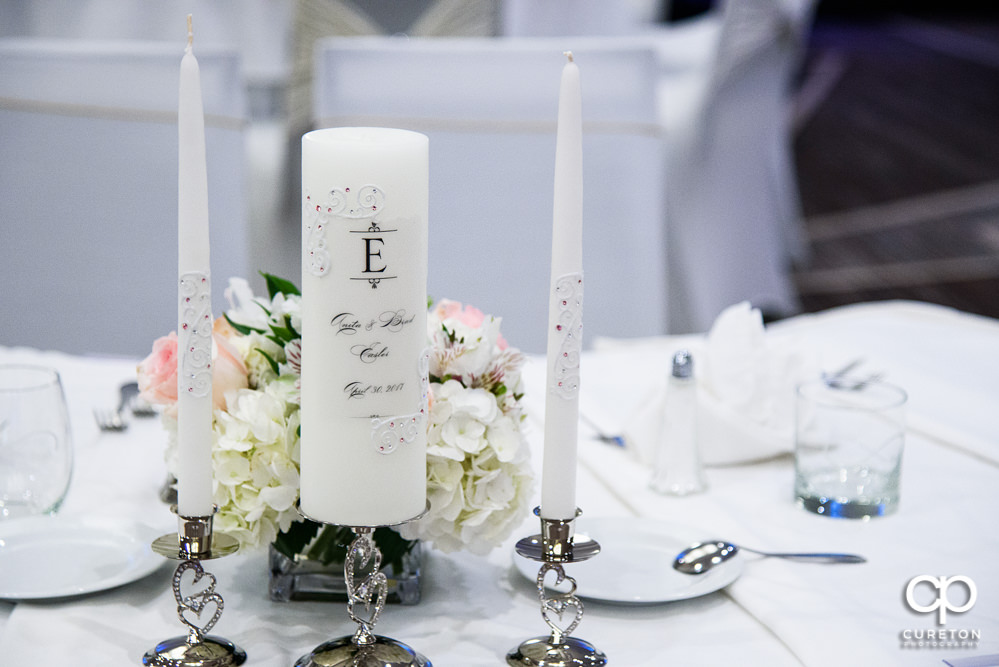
<point x="359" y="390"/>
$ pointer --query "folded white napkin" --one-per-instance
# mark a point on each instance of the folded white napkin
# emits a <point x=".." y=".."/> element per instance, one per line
<point x="745" y="380"/>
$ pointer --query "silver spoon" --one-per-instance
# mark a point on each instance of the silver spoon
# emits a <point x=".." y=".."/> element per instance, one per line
<point x="701" y="557"/>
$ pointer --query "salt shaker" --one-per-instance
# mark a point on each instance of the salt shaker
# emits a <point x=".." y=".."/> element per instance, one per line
<point x="678" y="461"/>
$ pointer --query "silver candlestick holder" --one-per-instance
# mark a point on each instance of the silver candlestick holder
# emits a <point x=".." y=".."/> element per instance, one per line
<point x="194" y="542"/>
<point x="557" y="544"/>
<point x="364" y="648"/>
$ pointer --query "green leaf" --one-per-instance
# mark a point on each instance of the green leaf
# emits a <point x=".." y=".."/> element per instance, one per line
<point x="287" y="324"/>
<point x="282" y="335"/>
<point x="241" y="328"/>
<point x="393" y="546"/>
<point x="331" y="545"/>
<point x="277" y="285"/>
<point x="270" y="360"/>
<point x="294" y="540"/>
<point x="274" y="339"/>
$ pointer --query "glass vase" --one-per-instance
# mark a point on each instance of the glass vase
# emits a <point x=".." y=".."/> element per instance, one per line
<point x="305" y="578"/>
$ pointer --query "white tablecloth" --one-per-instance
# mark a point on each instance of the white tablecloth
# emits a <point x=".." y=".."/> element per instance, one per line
<point x="475" y="609"/>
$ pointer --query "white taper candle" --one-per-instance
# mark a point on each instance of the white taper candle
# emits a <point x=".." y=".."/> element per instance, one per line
<point x="194" y="328"/>
<point x="558" y="480"/>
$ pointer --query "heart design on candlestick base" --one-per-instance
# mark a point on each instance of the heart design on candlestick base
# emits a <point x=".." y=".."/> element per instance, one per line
<point x="559" y="603"/>
<point x="372" y="588"/>
<point x="191" y="606"/>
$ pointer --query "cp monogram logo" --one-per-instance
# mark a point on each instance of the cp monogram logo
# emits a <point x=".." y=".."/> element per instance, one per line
<point x="942" y="604"/>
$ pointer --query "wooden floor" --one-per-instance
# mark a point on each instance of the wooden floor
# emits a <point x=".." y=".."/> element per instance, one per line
<point x="897" y="147"/>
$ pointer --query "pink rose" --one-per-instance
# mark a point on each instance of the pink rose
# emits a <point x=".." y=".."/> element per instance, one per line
<point x="158" y="372"/>
<point x="470" y="316"/>
<point x="446" y="309"/>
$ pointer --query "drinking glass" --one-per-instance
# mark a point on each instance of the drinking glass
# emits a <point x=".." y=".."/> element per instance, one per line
<point x="848" y="448"/>
<point x="36" y="453"/>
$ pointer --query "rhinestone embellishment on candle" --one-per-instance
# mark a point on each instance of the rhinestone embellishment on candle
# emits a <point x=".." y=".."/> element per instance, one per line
<point x="366" y="202"/>
<point x="568" y="298"/>
<point x="195" y="335"/>
<point x="388" y="433"/>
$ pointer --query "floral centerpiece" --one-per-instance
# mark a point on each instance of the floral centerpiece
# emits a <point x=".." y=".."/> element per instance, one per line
<point x="478" y="477"/>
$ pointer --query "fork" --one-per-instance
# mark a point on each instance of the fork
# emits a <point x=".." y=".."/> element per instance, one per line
<point x="841" y="379"/>
<point x="114" y="420"/>
<point x="616" y="440"/>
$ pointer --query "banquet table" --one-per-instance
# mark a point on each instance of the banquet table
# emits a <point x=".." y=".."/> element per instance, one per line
<point x="475" y="609"/>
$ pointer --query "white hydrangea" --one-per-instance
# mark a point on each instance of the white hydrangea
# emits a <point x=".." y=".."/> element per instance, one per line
<point x="256" y="463"/>
<point x="478" y="477"/>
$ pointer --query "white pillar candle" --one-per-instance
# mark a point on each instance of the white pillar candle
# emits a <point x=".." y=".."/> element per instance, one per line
<point x="565" y="320"/>
<point x="364" y="331"/>
<point x="194" y="328"/>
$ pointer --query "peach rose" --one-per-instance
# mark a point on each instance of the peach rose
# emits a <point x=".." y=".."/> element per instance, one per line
<point x="228" y="369"/>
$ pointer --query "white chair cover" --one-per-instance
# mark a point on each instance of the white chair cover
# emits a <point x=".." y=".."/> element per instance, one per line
<point x="89" y="183"/>
<point x="489" y="107"/>
<point x="258" y="29"/>
<point x="544" y="18"/>
<point x="729" y="183"/>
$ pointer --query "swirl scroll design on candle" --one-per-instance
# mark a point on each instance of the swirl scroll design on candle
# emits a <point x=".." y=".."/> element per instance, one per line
<point x="389" y="433"/>
<point x="195" y="339"/>
<point x="316" y="258"/>
<point x="567" y="302"/>
<point x="345" y="203"/>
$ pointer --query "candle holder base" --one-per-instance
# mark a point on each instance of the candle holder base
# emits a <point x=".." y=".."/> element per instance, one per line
<point x="548" y="652"/>
<point x="364" y="648"/>
<point x="583" y="547"/>
<point x="380" y="652"/>
<point x="220" y="545"/>
<point x="210" y="652"/>
<point x="198" y="607"/>
<point x="557" y="545"/>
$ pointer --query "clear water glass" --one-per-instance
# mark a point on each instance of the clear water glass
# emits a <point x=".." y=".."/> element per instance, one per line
<point x="36" y="451"/>
<point x="848" y="448"/>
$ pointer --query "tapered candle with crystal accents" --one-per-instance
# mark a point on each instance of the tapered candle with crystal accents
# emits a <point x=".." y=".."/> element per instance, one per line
<point x="565" y="317"/>
<point x="194" y="327"/>
<point x="364" y="325"/>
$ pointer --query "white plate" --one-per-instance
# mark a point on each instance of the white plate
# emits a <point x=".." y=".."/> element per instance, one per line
<point x="635" y="563"/>
<point x="51" y="557"/>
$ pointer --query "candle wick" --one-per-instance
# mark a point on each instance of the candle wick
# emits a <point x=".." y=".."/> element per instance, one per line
<point x="190" y="31"/>
<point x="568" y="54"/>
